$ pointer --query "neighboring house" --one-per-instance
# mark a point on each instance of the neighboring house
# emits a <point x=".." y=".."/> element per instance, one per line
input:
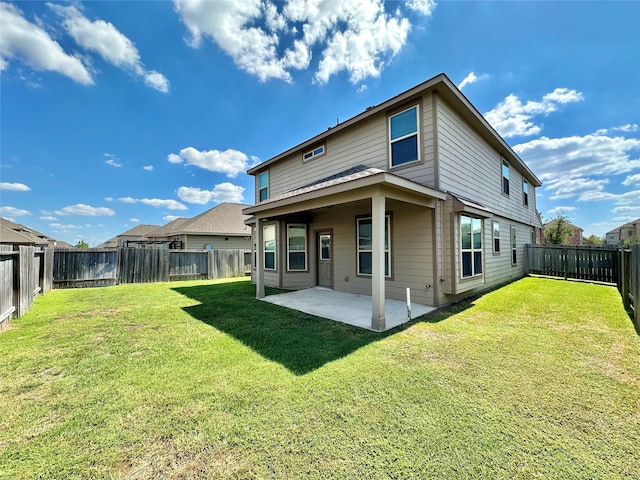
<point x="574" y="237"/>
<point x="132" y="238"/>
<point x="18" y="234"/>
<point x="221" y="227"/>
<point x="627" y="233"/>
<point x="418" y="192"/>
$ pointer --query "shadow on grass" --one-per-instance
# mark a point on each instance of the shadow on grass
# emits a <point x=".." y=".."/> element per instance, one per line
<point x="300" y="342"/>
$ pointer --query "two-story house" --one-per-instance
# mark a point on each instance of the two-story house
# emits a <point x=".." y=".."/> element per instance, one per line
<point x="624" y="234"/>
<point x="417" y="192"/>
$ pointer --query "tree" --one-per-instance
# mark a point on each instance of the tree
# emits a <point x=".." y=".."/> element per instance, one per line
<point x="595" y="240"/>
<point x="82" y="244"/>
<point x="557" y="230"/>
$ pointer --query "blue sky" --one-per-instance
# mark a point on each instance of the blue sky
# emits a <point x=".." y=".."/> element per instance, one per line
<point x="115" y="114"/>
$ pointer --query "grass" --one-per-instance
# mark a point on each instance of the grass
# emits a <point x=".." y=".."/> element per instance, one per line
<point x="539" y="379"/>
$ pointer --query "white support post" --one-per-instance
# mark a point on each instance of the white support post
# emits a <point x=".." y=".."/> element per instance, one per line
<point x="259" y="258"/>
<point x="377" y="277"/>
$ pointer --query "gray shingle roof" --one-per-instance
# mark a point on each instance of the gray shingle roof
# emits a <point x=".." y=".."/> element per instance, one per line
<point x="223" y="219"/>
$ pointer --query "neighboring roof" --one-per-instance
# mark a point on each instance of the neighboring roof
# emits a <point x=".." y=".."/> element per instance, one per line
<point x="37" y="238"/>
<point x="447" y="89"/>
<point x="139" y="231"/>
<point x="626" y="225"/>
<point x="555" y="220"/>
<point x="224" y="219"/>
<point x="357" y="177"/>
<point x="166" y="230"/>
<point x="9" y="236"/>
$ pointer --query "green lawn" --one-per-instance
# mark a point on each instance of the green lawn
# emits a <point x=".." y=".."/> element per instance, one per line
<point x="539" y="379"/>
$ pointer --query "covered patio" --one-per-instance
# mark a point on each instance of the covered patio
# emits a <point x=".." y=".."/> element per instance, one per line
<point x="344" y="307"/>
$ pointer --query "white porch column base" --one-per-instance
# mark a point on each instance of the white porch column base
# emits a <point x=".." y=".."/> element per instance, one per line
<point x="377" y="277"/>
<point x="259" y="259"/>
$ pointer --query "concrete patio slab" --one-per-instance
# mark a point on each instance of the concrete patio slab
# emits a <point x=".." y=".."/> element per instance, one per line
<point x="345" y="307"/>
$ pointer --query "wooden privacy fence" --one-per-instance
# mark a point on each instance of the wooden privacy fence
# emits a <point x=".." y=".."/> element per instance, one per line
<point x="629" y="285"/>
<point x="24" y="272"/>
<point x="97" y="268"/>
<point x="597" y="263"/>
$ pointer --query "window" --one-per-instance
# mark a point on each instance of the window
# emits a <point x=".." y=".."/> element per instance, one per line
<point x="263" y="186"/>
<point x="496" y="237"/>
<point x="525" y="192"/>
<point x="471" y="245"/>
<point x="269" y="239"/>
<point x="313" y="153"/>
<point x="296" y="247"/>
<point x="505" y="177"/>
<point x="514" y="253"/>
<point x="365" y="246"/>
<point x="403" y="135"/>
<point x="325" y="247"/>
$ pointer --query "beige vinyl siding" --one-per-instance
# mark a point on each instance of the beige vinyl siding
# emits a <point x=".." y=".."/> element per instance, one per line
<point x="424" y="171"/>
<point x="411" y="250"/>
<point x="199" y="242"/>
<point x="470" y="167"/>
<point x="365" y="144"/>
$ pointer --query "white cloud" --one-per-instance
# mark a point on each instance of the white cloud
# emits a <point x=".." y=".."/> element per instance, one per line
<point x="468" y="80"/>
<point x="87" y="210"/>
<point x="48" y="218"/>
<point x="113" y="163"/>
<point x="271" y="39"/>
<point x="232" y="162"/>
<point x="560" y="211"/>
<point x="63" y="228"/>
<point x="170" y="218"/>
<point x="425" y="7"/>
<point x="134" y="220"/>
<point x="13" y="212"/>
<point x="107" y="41"/>
<point x="156" y="202"/>
<point x="513" y="118"/>
<point x="632" y="180"/>
<point x="628" y="128"/>
<point x="223" y="192"/>
<point x="28" y="42"/>
<point x="15" y="187"/>
<point x="581" y="167"/>
<point x="148" y="168"/>
<point x="576" y="156"/>
<point x="173" y="158"/>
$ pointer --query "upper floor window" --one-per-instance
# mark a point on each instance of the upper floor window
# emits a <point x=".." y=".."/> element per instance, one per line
<point x="505" y="177"/>
<point x="316" y="152"/>
<point x="525" y="192"/>
<point x="263" y="186"/>
<point x="365" y="246"/>
<point x="471" y="245"/>
<point x="269" y="239"/>
<point x="296" y="247"/>
<point x="403" y="135"/>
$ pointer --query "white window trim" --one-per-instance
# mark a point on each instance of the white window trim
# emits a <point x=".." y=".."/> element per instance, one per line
<point x="417" y="135"/>
<point x="514" y="248"/>
<point x="263" y="188"/>
<point x="525" y="192"/>
<point x="387" y="251"/>
<point x="471" y="250"/>
<point x="493" y="236"/>
<point x="275" y="248"/>
<point x="297" y="251"/>
<point x="311" y="154"/>
<point x="503" y="164"/>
